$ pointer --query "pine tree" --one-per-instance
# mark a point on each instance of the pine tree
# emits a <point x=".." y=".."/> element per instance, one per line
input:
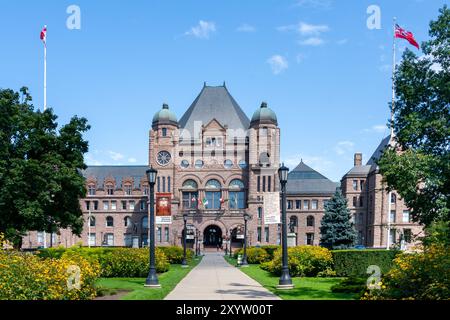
<point x="337" y="230"/>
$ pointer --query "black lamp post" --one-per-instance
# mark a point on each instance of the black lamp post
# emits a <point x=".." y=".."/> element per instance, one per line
<point x="244" y="262"/>
<point x="152" y="278"/>
<point x="196" y="243"/>
<point x="184" y="263"/>
<point x="285" y="279"/>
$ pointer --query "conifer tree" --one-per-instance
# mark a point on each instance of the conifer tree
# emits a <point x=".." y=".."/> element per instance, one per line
<point x="337" y="230"/>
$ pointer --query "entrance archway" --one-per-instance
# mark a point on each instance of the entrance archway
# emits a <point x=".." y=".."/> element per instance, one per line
<point x="212" y="236"/>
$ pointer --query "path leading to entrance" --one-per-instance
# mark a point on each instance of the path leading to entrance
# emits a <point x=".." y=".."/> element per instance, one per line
<point x="214" y="279"/>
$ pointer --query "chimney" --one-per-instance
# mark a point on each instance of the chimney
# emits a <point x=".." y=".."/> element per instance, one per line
<point x="357" y="159"/>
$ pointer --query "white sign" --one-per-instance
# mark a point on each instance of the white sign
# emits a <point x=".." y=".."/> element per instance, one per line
<point x="163" y="220"/>
<point x="272" y="208"/>
<point x="239" y="236"/>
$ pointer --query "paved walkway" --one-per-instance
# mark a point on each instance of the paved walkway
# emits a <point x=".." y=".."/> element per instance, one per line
<point x="214" y="279"/>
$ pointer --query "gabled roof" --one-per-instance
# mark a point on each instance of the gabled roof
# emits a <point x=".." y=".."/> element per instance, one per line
<point x="214" y="103"/>
<point x="379" y="151"/>
<point x="117" y="172"/>
<point x="305" y="180"/>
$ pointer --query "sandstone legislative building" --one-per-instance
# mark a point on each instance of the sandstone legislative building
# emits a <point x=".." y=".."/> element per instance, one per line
<point x="215" y="164"/>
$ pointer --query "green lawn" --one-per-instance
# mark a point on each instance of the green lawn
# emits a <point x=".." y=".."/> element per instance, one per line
<point x="305" y="288"/>
<point x="168" y="281"/>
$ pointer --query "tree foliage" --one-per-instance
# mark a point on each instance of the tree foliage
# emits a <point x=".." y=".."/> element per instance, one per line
<point x="419" y="167"/>
<point x="40" y="179"/>
<point x="337" y="230"/>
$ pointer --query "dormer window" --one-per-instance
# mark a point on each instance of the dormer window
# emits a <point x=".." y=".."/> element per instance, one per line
<point x="127" y="190"/>
<point x="91" y="190"/>
<point x="110" y="189"/>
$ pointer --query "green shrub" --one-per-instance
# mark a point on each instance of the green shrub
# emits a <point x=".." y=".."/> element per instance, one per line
<point x="306" y="261"/>
<point x="131" y="262"/>
<point x="175" y="254"/>
<point x="354" y="263"/>
<point x="416" y="276"/>
<point x="270" y="249"/>
<point x="25" y="276"/>
<point x="114" y="262"/>
<point x="254" y="255"/>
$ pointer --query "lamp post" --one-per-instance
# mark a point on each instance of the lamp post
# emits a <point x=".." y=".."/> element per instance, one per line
<point x="244" y="257"/>
<point x="184" y="263"/>
<point x="285" y="279"/>
<point x="152" y="278"/>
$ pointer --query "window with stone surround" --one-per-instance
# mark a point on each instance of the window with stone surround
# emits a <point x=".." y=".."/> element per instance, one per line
<point x="105" y="205"/>
<point x="127" y="188"/>
<point x="314" y="204"/>
<point x="113" y="205"/>
<point x="110" y="189"/>
<point x="355" y="185"/>
<point x="266" y="234"/>
<point x="91" y="190"/>
<point x="127" y="221"/>
<point x="305" y="204"/>
<point x="310" y="239"/>
<point x="310" y="221"/>
<point x="109" y="221"/>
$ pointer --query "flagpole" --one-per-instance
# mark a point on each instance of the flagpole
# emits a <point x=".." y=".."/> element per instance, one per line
<point x="391" y="138"/>
<point x="393" y="82"/>
<point x="45" y="72"/>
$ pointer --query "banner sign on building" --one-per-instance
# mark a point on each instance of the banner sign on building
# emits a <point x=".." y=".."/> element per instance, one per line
<point x="163" y="212"/>
<point x="272" y="208"/>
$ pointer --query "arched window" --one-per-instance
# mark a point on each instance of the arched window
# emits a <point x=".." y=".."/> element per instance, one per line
<point x="145" y="222"/>
<point x="190" y="184"/>
<point x="127" y="221"/>
<point x="293" y="221"/>
<point x="190" y="194"/>
<point x="92" y="221"/>
<point x="236" y="194"/>
<point x="393" y="198"/>
<point x="213" y="184"/>
<point x="109" y="221"/>
<point x="310" y="221"/>
<point x="213" y="194"/>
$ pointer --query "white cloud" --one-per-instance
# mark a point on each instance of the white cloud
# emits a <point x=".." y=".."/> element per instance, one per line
<point x="385" y="67"/>
<point x="314" y="41"/>
<point x="342" y="42"/>
<point x="323" y="4"/>
<point x="378" y="128"/>
<point x="91" y="161"/>
<point x="116" y="156"/>
<point x="343" y="147"/>
<point x="202" y="30"/>
<point x="132" y="160"/>
<point x="305" y="29"/>
<point x="246" y="28"/>
<point x="277" y="63"/>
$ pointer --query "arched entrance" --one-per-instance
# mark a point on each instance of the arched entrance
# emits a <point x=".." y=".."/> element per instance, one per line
<point x="212" y="236"/>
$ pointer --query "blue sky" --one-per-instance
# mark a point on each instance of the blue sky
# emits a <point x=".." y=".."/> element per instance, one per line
<point x="316" y="63"/>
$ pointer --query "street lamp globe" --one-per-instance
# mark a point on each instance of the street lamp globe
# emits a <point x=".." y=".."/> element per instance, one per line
<point x="151" y="175"/>
<point x="283" y="174"/>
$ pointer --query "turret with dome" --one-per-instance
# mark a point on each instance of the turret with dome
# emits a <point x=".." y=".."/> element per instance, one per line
<point x="264" y="115"/>
<point x="164" y="117"/>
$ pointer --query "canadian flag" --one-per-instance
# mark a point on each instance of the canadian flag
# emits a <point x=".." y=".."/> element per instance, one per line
<point x="44" y="35"/>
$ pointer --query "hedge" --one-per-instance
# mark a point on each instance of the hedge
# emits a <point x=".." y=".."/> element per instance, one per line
<point x="114" y="262"/>
<point x="354" y="263"/>
<point x="254" y="255"/>
<point x="309" y="261"/>
<point x="175" y="254"/>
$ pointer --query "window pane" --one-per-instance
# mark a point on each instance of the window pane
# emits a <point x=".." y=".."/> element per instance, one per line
<point x="314" y="204"/>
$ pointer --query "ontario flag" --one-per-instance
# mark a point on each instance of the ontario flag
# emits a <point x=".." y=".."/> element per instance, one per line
<point x="407" y="35"/>
<point x="44" y="35"/>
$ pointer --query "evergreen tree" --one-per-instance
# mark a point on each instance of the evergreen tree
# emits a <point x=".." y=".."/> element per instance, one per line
<point x="337" y="231"/>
